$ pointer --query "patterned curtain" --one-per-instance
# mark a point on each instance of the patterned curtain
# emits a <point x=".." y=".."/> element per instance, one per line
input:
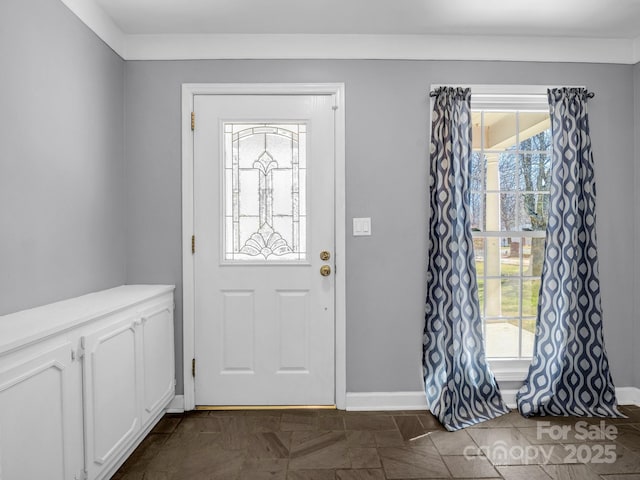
<point x="461" y="390"/>
<point x="569" y="373"/>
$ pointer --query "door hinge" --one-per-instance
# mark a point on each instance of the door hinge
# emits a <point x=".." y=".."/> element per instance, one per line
<point x="193" y="367"/>
<point x="193" y="121"/>
<point x="193" y="244"/>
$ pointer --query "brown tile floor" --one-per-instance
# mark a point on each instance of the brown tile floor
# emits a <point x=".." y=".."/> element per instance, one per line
<point x="338" y="445"/>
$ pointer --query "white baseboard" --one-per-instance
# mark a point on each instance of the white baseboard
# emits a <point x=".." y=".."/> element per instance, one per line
<point x="176" y="405"/>
<point x="628" y="395"/>
<point x="361" y="401"/>
<point x="386" y="401"/>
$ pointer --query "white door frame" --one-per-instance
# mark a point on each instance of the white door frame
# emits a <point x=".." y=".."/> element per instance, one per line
<point x="188" y="284"/>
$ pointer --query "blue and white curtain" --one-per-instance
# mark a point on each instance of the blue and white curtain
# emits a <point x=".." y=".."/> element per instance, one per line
<point x="569" y="373"/>
<point x="461" y="389"/>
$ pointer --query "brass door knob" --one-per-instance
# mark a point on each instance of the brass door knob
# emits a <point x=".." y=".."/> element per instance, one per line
<point x="325" y="270"/>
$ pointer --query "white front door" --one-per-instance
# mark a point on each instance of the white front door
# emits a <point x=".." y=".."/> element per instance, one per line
<point x="263" y="216"/>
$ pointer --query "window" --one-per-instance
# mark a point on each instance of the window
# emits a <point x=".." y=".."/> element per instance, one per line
<point x="510" y="170"/>
<point x="265" y="192"/>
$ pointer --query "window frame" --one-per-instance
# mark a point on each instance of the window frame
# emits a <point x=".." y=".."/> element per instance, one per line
<point x="495" y="236"/>
<point x="511" y="98"/>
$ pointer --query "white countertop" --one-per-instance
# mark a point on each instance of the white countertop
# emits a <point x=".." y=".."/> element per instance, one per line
<point x="27" y="326"/>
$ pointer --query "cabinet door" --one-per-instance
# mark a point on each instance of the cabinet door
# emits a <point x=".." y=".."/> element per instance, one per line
<point x="111" y="392"/>
<point x="40" y="416"/>
<point x="158" y="365"/>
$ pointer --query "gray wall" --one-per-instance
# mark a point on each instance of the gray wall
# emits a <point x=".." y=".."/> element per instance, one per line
<point x="70" y="197"/>
<point x="387" y="113"/>
<point x="61" y="157"/>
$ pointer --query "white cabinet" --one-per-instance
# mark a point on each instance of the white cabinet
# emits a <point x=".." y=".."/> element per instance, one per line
<point x="128" y="380"/>
<point x="83" y="381"/>
<point x="40" y="415"/>
<point x="157" y="367"/>
<point x="112" y="387"/>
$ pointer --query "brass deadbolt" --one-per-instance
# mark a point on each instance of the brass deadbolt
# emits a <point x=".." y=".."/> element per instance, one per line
<point x="324" y="255"/>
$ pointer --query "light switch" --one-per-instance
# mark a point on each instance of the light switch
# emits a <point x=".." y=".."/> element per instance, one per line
<point x="361" y="227"/>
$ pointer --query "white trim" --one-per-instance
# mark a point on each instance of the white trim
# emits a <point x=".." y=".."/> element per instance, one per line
<point x="510" y="97"/>
<point x="509" y="370"/>
<point x="636" y="50"/>
<point x="188" y="92"/>
<point x="340" y="232"/>
<point x="94" y="17"/>
<point x="509" y="397"/>
<point x="635" y="328"/>
<point x="386" y="401"/>
<point x="628" y="395"/>
<point x="372" y="401"/>
<point x="352" y="46"/>
<point x="176" y="405"/>
<point x="188" y="284"/>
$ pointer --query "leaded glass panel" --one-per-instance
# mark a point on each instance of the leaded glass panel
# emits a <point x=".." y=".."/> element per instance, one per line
<point x="264" y="192"/>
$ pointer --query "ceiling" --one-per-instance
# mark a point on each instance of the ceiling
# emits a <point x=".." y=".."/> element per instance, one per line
<point x="131" y="26"/>
<point x="573" y="18"/>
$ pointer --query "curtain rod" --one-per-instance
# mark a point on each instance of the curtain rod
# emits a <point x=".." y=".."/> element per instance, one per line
<point x="434" y="93"/>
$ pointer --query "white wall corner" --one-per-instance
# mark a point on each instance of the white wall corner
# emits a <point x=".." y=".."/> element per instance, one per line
<point x="176" y="405"/>
<point x="94" y="17"/>
<point x="379" y="401"/>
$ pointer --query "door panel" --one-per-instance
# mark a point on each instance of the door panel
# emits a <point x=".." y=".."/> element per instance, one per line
<point x="238" y="327"/>
<point x="293" y="330"/>
<point x="264" y="210"/>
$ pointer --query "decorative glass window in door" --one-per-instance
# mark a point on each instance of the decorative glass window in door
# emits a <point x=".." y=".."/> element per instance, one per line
<point x="264" y="192"/>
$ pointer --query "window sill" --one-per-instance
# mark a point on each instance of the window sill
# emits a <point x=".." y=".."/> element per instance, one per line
<point x="509" y="370"/>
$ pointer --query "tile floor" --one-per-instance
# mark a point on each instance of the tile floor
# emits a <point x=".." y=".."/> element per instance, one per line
<point x="338" y="445"/>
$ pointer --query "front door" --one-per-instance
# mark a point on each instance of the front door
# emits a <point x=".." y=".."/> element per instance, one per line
<point x="264" y="230"/>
